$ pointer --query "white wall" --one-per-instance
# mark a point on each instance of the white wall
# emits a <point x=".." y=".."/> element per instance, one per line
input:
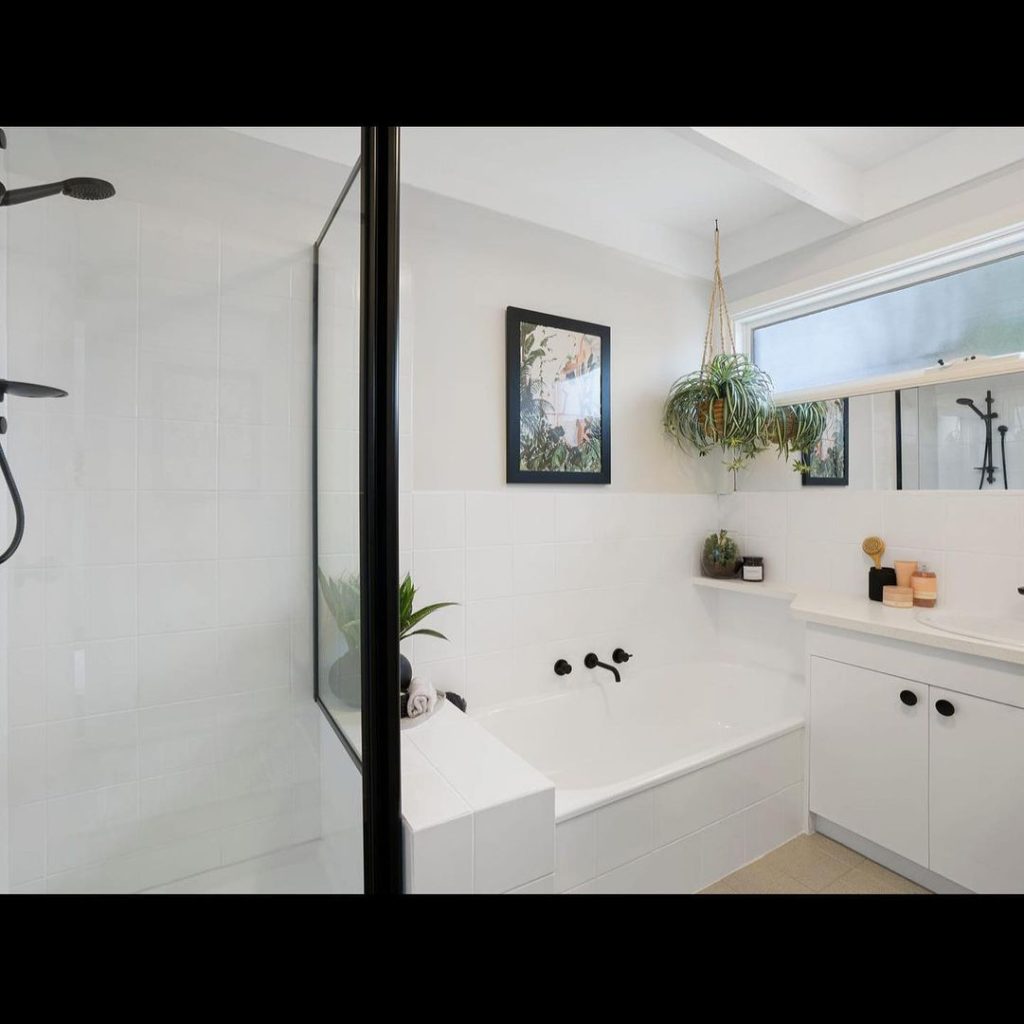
<point x="161" y="720"/>
<point x="542" y="572"/>
<point x="4" y="540"/>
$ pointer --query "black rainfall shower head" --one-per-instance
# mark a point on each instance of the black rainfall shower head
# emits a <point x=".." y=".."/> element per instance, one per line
<point x="88" y="188"/>
<point x="964" y="401"/>
<point x="76" y="188"/>
<point x="23" y="390"/>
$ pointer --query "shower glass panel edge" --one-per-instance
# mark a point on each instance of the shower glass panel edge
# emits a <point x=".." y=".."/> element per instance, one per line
<point x="360" y="699"/>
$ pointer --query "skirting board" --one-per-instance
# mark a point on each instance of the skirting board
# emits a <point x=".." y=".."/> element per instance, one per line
<point x="888" y="859"/>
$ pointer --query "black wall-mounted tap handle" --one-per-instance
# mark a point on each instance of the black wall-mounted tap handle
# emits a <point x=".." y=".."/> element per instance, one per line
<point x="562" y="667"/>
<point x="592" y="661"/>
<point x="620" y="657"/>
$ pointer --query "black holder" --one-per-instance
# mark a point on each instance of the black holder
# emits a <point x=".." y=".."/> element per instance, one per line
<point x="878" y="578"/>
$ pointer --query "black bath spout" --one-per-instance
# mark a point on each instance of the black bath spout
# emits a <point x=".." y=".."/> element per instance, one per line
<point x="591" y="661"/>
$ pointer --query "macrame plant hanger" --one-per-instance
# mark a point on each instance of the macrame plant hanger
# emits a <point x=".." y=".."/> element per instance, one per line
<point x="722" y="320"/>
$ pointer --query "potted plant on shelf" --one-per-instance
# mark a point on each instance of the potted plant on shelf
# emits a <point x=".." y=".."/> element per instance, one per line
<point x="719" y="556"/>
<point x="341" y="595"/>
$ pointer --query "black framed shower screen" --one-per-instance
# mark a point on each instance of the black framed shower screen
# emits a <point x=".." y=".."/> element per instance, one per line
<point x="368" y="725"/>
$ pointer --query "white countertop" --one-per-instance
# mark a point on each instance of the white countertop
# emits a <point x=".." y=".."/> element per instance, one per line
<point x="861" y="615"/>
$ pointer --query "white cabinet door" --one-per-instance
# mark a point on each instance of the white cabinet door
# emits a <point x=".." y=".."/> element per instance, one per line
<point x="977" y="792"/>
<point x="869" y="755"/>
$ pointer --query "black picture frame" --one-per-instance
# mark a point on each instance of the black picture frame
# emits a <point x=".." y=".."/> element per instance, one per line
<point x="514" y="474"/>
<point x="809" y="479"/>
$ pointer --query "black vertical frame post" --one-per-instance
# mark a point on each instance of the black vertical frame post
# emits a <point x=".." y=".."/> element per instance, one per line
<point x="899" y="441"/>
<point x="378" y="511"/>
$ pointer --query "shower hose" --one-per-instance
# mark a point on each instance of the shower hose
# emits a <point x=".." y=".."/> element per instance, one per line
<point x="19" y="508"/>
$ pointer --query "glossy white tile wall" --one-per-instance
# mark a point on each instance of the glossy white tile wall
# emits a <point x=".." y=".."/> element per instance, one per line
<point x="974" y="542"/>
<point x="160" y="707"/>
<point x="545" y="573"/>
<point x="687" y="833"/>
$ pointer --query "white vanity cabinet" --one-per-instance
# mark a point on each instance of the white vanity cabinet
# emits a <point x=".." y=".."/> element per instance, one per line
<point x="976" y="773"/>
<point x="922" y="754"/>
<point x="869" y="755"/>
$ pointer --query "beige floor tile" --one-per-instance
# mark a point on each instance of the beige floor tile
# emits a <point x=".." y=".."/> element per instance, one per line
<point x="890" y="878"/>
<point x="841" y="853"/>
<point x="857" y="881"/>
<point x="759" y="878"/>
<point x="805" y="862"/>
<point x="720" y="888"/>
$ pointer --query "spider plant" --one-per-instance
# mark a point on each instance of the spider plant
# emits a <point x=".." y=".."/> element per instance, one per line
<point x="727" y="402"/>
<point x="796" y="428"/>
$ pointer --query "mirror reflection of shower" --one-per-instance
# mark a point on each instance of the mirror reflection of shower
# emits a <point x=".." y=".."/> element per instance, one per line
<point x="988" y="467"/>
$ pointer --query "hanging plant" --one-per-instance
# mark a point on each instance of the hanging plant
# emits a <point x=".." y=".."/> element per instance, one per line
<point x="728" y="404"/>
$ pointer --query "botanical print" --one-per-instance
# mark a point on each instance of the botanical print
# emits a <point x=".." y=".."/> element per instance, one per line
<point x="828" y="458"/>
<point x="560" y="400"/>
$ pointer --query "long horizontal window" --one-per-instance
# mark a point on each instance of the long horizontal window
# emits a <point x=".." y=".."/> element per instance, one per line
<point x="939" y="322"/>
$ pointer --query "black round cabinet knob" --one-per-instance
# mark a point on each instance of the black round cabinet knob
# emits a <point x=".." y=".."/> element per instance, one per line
<point x="944" y="708"/>
<point x="562" y="667"/>
<point x="908" y="697"/>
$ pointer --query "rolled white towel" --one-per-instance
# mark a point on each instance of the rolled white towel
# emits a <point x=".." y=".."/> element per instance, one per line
<point x="422" y="697"/>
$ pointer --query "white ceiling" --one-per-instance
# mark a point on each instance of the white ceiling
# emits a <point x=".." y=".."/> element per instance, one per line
<point x="655" y="193"/>
<point x="865" y="148"/>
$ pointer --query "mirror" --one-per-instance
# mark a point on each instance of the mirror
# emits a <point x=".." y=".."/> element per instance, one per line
<point x="958" y="435"/>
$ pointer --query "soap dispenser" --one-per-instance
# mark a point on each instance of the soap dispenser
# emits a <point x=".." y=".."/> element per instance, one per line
<point x="925" y="587"/>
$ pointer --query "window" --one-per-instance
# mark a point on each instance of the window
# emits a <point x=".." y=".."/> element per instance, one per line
<point x="915" y="333"/>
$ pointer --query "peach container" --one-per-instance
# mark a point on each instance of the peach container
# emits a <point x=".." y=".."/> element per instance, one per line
<point x="904" y="570"/>
<point x="898" y="597"/>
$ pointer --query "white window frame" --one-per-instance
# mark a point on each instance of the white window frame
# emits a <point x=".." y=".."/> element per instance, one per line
<point x="972" y="252"/>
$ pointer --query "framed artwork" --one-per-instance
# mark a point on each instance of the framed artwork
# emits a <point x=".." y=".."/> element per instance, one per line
<point x="829" y="459"/>
<point x="558" y="399"/>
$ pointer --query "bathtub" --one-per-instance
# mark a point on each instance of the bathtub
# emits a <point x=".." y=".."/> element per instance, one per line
<point x="669" y="780"/>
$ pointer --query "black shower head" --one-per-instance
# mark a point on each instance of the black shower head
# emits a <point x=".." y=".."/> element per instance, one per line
<point x="76" y="188"/>
<point x="88" y="188"/>
<point x="964" y="401"/>
<point x="23" y="390"/>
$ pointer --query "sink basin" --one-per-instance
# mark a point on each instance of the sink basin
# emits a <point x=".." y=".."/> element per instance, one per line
<point x="980" y="627"/>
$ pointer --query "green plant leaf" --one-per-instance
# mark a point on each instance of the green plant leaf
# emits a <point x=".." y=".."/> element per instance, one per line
<point x="425" y="632"/>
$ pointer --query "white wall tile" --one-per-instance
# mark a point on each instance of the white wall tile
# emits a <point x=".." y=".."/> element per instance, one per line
<point x="540" y="887"/>
<point x="91" y="678"/>
<point x="89" y="753"/>
<point x="625" y="830"/>
<point x="533" y="517"/>
<point x="439" y="519"/>
<point x="575" y="851"/>
<point x="258" y="525"/>
<point x="488" y="572"/>
<point x="177" y="525"/>
<point x="28" y="842"/>
<point x="179" y="666"/>
<point x="177" y="455"/>
<point x="488" y="518"/>
<point x="176" y="596"/>
<point x="514" y="843"/>
<point x="722" y="848"/>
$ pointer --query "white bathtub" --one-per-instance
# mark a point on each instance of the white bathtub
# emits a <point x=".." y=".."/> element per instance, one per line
<point x="667" y="781"/>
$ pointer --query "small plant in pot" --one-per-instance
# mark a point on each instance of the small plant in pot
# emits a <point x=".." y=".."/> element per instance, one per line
<point x="342" y="597"/>
<point x="719" y="556"/>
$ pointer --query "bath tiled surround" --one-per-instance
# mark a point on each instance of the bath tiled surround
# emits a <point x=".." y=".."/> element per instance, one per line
<point x="476" y="817"/>
<point x="159" y="704"/>
<point x="683" y="835"/>
<point x="545" y="573"/>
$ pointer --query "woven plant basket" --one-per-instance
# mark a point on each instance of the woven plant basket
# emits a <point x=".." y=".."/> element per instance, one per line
<point x="717" y="417"/>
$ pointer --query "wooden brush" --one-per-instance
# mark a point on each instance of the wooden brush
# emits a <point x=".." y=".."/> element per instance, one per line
<point x="874" y="548"/>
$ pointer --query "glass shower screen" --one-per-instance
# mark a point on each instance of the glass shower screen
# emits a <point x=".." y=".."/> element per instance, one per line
<point x="339" y="615"/>
<point x="355" y="568"/>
